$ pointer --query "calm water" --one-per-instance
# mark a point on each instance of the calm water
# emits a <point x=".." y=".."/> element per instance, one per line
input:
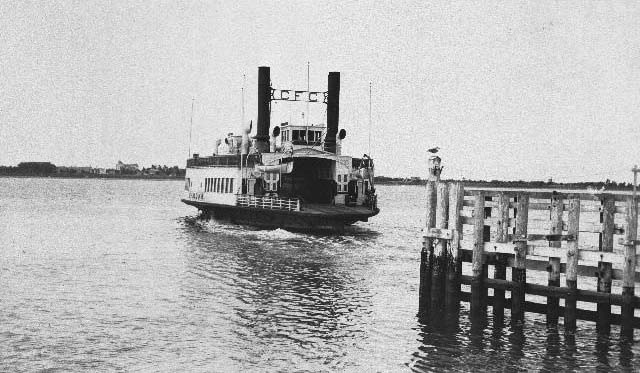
<point x="118" y="275"/>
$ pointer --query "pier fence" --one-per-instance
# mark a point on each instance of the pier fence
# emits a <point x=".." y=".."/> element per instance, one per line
<point x="585" y="242"/>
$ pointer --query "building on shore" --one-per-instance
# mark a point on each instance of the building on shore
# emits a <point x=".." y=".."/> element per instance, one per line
<point x="124" y="168"/>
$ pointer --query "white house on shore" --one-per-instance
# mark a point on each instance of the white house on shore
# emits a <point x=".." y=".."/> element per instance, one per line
<point x="125" y="168"/>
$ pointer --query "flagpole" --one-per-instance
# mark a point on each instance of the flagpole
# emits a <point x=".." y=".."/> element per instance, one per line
<point x="191" y="127"/>
<point x="369" y="119"/>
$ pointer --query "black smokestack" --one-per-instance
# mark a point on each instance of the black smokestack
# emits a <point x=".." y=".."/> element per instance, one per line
<point x="264" y="109"/>
<point x="333" y="111"/>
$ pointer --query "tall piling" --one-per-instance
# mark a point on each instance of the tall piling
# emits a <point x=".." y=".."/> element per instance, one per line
<point x="603" y="324"/>
<point x="454" y="261"/>
<point x="426" y="254"/>
<point x="439" y="263"/>
<point x="519" y="272"/>
<point x="478" y="285"/>
<point x="573" y="222"/>
<point x="500" y="268"/>
<point x="628" y="268"/>
<point x="553" y="302"/>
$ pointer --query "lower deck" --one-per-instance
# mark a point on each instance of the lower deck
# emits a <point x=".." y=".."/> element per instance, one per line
<point x="309" y="217"/>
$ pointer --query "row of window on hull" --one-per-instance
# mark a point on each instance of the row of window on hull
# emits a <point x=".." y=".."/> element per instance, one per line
<point x="218" y="185"/>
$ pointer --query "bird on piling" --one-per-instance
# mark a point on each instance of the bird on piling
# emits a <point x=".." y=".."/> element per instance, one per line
<point x="433" y="150"/>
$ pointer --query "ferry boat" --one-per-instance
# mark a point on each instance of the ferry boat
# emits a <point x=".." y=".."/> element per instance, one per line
<point x="291" y="176"/>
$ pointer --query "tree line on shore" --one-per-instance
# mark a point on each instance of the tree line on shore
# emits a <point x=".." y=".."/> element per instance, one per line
<point x="51" y="170"/>
<point x="599" y="185"/>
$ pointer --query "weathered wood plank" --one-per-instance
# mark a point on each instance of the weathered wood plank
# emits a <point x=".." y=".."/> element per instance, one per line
<point x="438" y="271"/>
<point x="604" y="268"/>
<point x="553" y="303"/>
<point x="426" y="254"/>
<point x="540" y="193"/>
<point x="478" y="290"/>
<point x="572" y="265"/>
<point x="500" y="268"/>
<point x="535" y="264"/>
<point x="454" y="265"/>
<point x="628" y="283"/>
<point x="519" y="271"/>
<point x="560" y="292"/>
<point x="587" y="257"/>
<point x="586" y="227"/>
<point x="539" y="308"/>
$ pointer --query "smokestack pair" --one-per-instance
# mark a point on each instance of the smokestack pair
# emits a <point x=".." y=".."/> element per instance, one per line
<point x="264" y="110"/>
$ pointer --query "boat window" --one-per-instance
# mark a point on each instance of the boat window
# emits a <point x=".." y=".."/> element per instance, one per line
<point x="230" y="185"/>
<point x="187" y="184"/>
<point x="296" y="135"/>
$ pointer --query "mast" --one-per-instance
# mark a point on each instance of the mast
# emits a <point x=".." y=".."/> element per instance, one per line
<point x="191" y="126"/>
<point x="242" y="129"/>
<point x="244" y="81"/>
<point x="369" y="119"/>
<point x="307" y="122"/>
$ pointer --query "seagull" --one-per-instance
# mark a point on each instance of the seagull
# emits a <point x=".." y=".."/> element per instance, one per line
<point x="433" y="150"/>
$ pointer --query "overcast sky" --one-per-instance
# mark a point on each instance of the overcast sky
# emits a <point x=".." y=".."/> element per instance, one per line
<point x="509" y="90"/>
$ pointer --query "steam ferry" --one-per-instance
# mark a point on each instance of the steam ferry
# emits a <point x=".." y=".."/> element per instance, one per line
<point x="292" y="176"/>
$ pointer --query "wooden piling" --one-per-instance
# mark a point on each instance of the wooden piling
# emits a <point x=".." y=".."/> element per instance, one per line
<point x="500" y="268"/>
<point x="553" y="302"/>
<point x="439" y="264"/>
<point x="454" y="260"/>
<point x="427" y="250"/>
<point x="573" y="222"/>
<point x="519" y="272"/>
<point x="628" y="269"/>
<point x="478" y="286"/>
<point x="603" y="324"/>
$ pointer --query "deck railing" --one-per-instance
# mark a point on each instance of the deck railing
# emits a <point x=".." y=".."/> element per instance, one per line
<point x="268" y="202"/>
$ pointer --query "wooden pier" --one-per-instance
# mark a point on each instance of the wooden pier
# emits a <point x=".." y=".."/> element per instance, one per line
<point x="585" y="242"/>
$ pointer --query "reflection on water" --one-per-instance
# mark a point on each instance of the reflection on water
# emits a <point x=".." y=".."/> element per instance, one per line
<point x="282" y="292"/>
<point x="458" y="344"/>
<point x="118" y="275"/>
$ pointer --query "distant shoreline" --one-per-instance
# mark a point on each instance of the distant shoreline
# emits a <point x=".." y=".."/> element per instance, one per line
<point x="599" y="185"/>
<point x="93" y="176"/>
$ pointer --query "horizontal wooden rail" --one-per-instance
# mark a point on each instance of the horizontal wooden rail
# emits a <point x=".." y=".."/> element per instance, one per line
<point x="545" y="206"/>
<point x="542" y="265"/>
<point x="541" y="309"/>
<point x="588" y="256"/>
<point x="560" y="292"/>
<point x="588" y="227"/>
<point x="548" y="193"/>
